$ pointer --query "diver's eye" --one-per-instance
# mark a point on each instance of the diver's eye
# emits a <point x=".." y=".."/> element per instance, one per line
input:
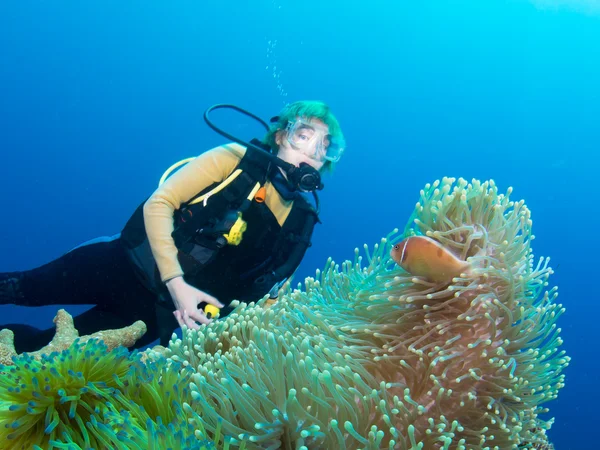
<point x="304" y="133"/>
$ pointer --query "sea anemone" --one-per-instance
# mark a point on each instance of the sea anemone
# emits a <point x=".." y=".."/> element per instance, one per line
<point x="370" y="356"/>
<point x="87" y="397"/>
<point x="46" y="399"/>
<point x="146" y="411"/>
<point x="363" y="355"/>
<point x="481" y="351"/>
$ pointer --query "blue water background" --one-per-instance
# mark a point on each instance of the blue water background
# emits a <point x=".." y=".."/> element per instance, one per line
<point x="98" y="98"/>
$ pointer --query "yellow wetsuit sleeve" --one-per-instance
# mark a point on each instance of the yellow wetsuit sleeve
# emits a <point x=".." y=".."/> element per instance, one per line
<point x="210" y="167"/>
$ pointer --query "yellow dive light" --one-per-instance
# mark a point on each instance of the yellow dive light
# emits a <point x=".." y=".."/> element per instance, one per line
<point x="211" y="311"/>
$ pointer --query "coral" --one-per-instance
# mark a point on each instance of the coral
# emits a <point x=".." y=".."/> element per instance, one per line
<point x="369" y="356"/>
<point x="7" y="346"/>
<point x="66" y="335"/>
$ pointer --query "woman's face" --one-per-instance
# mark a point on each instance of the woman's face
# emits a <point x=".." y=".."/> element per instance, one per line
<point x="306" y="142"/>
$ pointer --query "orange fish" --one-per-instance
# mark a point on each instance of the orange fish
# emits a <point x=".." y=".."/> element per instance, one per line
<point x="425" y="257"/>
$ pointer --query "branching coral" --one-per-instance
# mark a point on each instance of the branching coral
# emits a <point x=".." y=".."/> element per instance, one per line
<point x="65" y="335"/>
<point x="368" y="356"/>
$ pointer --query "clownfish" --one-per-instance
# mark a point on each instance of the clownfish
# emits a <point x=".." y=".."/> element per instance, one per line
<point x="427" y="258"/>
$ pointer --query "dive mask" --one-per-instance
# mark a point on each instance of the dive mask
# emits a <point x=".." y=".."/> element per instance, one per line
<point x="313" y="140"/>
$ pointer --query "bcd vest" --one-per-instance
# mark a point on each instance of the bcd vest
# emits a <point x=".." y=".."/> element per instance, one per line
<point x="267" y="254"/>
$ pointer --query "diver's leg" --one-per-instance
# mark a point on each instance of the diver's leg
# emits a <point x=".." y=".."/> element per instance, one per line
<point x="97" y="273"/>
<point x="166" y="323"/>
<point x="28" y="338"/>
<point x="93" y="273"/>
<point x="10" y="292"/>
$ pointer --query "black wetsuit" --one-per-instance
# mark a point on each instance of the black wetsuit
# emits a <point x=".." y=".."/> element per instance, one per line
<point x="98" y="274"/>
<point x="113" y="275"/>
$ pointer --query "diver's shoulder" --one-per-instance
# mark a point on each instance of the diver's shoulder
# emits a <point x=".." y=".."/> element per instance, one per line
<point x="231" y="150"/>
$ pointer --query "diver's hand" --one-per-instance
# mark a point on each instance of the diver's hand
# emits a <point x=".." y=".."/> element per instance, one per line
<point x="186" y="299"/>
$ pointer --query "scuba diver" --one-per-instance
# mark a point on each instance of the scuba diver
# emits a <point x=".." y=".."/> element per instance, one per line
<point x="231" y="223"/>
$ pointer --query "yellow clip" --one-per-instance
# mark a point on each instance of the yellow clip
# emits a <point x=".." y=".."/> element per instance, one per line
<point x="234" y="237"/>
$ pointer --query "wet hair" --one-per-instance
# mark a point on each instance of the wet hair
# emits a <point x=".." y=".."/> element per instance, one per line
<point x="308" y="109"/>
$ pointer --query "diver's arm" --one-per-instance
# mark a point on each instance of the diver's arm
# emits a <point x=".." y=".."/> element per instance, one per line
<point x="210" y="167"/>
